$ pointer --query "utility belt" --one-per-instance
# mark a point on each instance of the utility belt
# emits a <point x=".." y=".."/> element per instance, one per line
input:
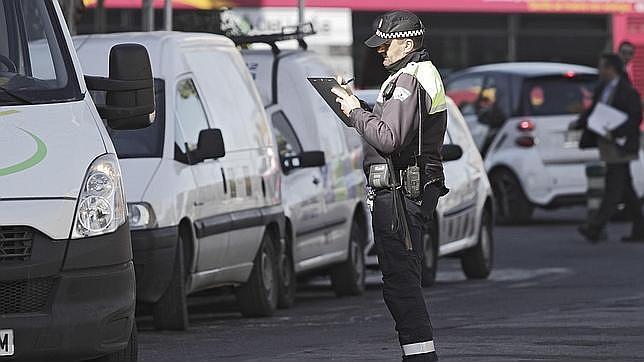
<point x="411" y="180"/>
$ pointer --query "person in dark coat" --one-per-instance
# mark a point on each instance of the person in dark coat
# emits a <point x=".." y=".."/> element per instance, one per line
<point x="617" y="151"/>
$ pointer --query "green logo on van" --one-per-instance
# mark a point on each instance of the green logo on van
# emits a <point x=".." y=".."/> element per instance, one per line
<point x="36" y="158"/>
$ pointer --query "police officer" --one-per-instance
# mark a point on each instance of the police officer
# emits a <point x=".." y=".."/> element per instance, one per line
<point x="405" y="130"/>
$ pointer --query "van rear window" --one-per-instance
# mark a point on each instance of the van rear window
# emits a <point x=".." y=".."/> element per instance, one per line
<point x="559" y="95"/>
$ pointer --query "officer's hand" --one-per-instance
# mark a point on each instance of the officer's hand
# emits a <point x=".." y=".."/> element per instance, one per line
<point x="346" y="87"/>
<point x="348" y="102"/>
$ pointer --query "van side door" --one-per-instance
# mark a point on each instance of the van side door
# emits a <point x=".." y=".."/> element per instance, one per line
<point x="191" y="119"/>
<point x="461" y="177"/>
<point x="303" y="193"/>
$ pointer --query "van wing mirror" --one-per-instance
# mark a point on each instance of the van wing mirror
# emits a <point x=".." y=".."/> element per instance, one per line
<point x="304" y="160"/>
<point x="210" y="145"/>
<point x="129" y="99"/>
<point x="451" y="152"/>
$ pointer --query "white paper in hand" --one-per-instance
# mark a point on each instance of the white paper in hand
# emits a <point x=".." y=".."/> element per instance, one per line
<point x="605" y="118"/>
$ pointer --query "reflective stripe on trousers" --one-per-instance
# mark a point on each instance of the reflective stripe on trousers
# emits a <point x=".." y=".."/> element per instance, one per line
<point x="418" y="348"/>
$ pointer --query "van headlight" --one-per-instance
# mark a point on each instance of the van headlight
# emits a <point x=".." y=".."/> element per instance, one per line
<point x="101" y="204"/>
<point x="141" y="215"/>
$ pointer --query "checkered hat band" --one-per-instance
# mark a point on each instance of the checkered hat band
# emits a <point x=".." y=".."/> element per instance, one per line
<point x="400" y="34"/>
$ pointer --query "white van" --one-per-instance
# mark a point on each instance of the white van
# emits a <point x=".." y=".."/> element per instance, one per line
<point x="201" y="216"/>
<point x="67" y="286"/>
<point x="323" y="184"/>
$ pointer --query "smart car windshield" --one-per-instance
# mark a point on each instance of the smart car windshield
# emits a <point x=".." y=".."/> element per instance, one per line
<point x="35" y="65"/>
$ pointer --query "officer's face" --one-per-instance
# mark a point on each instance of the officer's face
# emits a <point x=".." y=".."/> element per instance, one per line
<point x="395" y="50"/>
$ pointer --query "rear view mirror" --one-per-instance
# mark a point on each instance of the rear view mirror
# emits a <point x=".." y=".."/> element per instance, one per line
<point x="210" y="145"/>
<point x="129" y="99"/>
<point x="451" y="152"/>
<point x="304" y="160"/>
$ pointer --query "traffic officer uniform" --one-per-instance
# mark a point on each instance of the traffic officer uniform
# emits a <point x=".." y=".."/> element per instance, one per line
<point x="413" y="91"/>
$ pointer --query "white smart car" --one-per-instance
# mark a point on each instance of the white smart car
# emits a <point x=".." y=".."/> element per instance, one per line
<point x="462" y="225"/>
<point x="519" y="114"/>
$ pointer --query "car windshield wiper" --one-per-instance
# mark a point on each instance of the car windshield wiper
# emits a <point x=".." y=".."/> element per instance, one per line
<point x="15" y="96"/>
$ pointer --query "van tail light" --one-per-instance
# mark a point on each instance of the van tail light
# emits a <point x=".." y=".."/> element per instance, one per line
<point x="526" y="125"/>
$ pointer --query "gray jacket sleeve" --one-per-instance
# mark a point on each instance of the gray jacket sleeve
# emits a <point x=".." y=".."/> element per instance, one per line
<point x="389" y="131"/>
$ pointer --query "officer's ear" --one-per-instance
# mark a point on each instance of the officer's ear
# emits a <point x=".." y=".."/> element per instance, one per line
<point x="409" y="46"/>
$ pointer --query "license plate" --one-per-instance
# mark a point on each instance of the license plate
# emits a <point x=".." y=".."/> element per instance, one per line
<point x="6" y="342"/>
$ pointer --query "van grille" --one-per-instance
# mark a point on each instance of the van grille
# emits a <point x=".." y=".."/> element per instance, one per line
<point x="25" y="296"/>
<point x="15" y="243"/>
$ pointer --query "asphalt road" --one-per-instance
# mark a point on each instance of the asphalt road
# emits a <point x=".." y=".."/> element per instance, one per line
<point x="552" y="297"/>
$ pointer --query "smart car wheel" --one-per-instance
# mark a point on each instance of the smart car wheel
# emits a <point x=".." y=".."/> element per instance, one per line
<point x="348" y="278"/>
<point x="512" y="206"/>
<point x="477" y="261"/>
<point x="258" y="296"/>
<point x="430" y="257"/>
<point x="171" y="311"/>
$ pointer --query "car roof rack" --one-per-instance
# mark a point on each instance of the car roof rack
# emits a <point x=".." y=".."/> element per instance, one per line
<point x="297" y="32"/>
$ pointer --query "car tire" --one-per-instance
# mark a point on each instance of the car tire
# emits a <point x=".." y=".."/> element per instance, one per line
<point x="511" y="204"/>
<point x="348" y="277"/>
<point x="171" y="311"/>
<point x="478" y="260"/>
<point x="429" y="263"/>
<point x="129" y="354"/>
<point x="259" y="295"/>
<point x="288" y="282"/>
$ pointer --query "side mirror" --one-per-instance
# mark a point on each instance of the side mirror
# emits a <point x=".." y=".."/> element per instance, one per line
<point x="129" y="99"/>
<point x="304" y="160"/>
<point x="451" y="152"/>
<point x="210" y="145"/>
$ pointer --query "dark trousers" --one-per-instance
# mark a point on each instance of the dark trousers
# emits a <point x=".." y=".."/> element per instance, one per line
<point x="401" y="272"/>
<point x="618" y="187"/>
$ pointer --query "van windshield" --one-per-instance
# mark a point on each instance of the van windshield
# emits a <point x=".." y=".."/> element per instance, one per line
<point x="558" y="95"/>
<point x="145" y="142"/>
<point x="35" y="65"/>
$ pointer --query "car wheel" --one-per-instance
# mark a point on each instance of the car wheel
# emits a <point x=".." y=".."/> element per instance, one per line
<point x="171" y="311"/>
<point x="348" y="278"/>
<point x="258" y="296"/>
<point x="288" y="282"/>
<point x="511" y="204"/>
<point x="129" y="354"/>
<point x="430" y="257"/>
<point x="478" y="260"/>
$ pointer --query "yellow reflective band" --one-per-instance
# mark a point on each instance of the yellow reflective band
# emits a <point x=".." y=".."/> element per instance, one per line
<point x="430" y="79"/>
<point x="418" y="348"/>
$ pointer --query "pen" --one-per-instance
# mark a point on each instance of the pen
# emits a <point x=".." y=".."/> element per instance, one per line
<point x="347" y="82"/>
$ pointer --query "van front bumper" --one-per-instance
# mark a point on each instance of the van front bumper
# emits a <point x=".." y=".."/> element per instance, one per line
<point x="74" y="312"/>
<point x="154" y="255"/>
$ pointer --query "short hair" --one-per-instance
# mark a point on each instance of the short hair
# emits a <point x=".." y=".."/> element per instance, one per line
<point x="418" y="41"/>
<point x="613" y="61"/>
<point x="626" y="43"/>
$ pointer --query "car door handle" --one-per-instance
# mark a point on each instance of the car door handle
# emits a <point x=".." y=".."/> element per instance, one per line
<point x="197" y="203"/>
<point x="316" y="180"/>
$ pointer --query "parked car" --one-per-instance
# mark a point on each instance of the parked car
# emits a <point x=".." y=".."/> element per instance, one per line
<point x="67" y="284"/>
<point x="462" y="225"/>
<point x="519" y="114"/>
<point x="202" y="215"/>
<point x="323" y="185"/>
